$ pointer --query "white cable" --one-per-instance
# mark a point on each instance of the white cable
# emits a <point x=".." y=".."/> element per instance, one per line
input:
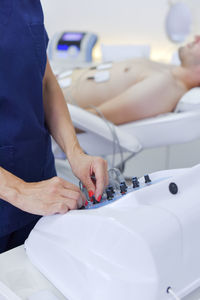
<point x="171" y="292"/>
<point x="116" y="142"/>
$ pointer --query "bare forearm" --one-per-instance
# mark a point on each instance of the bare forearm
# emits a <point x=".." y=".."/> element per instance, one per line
<point x="9" y="186"/>
<point x="57" y="115"/>
<point x="41" y="198"/>
<point x="60" y="126"/>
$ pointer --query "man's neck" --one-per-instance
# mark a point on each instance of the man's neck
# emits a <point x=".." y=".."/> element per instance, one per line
<point x="190" y="77"/>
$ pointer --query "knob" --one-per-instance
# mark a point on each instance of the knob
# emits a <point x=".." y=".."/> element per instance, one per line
<point x="135" y="182"/>
<point x="173" y="188"/>
<point x="147" y="179"/>
<point x="110" y="192"/>
<point x="123" y="188"/>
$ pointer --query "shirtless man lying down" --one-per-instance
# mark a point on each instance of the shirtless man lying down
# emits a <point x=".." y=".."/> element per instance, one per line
<point x="137" y="88"/>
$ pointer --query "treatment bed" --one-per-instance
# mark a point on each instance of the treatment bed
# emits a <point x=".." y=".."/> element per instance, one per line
<point x="100" y="137"/>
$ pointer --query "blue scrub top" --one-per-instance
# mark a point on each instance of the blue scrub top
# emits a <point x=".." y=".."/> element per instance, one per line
<point x="25" y="144"/>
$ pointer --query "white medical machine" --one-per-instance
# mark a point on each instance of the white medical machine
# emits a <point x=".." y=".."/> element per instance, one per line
<point x="6" y="293"/>
<point x="140" y="242"/>
<point x="70" y="49"/>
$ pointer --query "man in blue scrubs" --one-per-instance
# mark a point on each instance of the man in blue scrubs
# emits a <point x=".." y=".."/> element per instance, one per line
<point x="31" y="106"/>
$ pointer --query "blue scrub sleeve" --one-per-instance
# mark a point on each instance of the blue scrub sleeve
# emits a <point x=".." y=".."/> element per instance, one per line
<point x="46" y="37"/>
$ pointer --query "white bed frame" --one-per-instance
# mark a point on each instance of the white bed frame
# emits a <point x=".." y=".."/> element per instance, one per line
<point x="163" y="130"/>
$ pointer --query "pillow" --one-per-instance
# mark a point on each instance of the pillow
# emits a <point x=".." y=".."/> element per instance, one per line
<point x="123" y="52"/>
<point x="189" y="101"/>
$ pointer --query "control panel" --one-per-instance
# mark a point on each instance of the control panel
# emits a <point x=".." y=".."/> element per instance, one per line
<point x="117" y="188"/>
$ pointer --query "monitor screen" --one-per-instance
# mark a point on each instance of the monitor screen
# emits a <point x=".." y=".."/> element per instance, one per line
<point x="72" y="36"/>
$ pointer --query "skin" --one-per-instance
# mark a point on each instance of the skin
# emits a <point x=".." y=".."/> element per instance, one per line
<point x="138" y="88"/>
<point x="56" y="195"/>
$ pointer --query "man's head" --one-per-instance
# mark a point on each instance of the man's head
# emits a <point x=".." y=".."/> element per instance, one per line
<point x="190" y="54"/>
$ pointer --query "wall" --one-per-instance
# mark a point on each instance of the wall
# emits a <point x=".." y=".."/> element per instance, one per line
<point x="122" y="21"/>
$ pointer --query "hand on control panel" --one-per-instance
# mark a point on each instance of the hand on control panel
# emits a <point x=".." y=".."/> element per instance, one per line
<point x="116" y="188"/>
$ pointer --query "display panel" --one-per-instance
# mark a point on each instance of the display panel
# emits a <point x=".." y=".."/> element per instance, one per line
<point x="72" y="36"/>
